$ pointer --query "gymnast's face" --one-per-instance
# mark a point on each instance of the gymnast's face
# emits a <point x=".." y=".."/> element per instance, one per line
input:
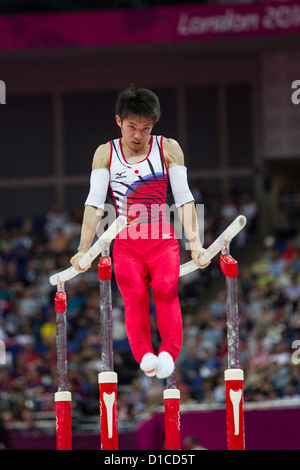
<point x="135" y="133"/>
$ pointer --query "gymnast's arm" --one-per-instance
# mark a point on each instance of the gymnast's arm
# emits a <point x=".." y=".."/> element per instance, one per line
<point x="183" y="197"/>
<point x="94" y="204"/>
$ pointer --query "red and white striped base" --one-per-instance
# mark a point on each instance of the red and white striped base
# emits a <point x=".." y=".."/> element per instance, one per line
<point x="63" y="420"/>
<point x="235" y="409"/>
<point x="108" y="410"/>
<point x="172" y="418"/>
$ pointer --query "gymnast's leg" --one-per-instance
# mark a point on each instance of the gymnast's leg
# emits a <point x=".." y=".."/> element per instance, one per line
<point x="164" y="275"/>
<point x="133" y="281"/>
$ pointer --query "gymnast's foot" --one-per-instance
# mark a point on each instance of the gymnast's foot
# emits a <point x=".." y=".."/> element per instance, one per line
<point x="149" y="364"/>
<point x="165" y="365"/>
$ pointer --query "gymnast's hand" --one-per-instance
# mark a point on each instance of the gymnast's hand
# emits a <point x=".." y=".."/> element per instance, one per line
<point x="196" y="254"/>
<point x="75" y="261"/>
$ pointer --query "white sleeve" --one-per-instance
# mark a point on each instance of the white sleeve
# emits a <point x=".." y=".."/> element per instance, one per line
<point x="179" y="185"/>
<point x="98" y="188"/>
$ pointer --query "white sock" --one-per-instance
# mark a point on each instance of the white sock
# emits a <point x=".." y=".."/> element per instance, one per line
<point x="149" y="364"/>
<point x="165" y="365"/>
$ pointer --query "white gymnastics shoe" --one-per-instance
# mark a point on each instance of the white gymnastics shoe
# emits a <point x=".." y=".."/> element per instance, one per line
<point x="165" y="365"/>
<point x="149" y="364"/>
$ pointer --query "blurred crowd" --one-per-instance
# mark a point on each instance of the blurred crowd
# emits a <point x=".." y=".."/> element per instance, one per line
<point x="269" y="309"/>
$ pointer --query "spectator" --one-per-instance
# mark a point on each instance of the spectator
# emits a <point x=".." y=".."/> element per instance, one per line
<point x="249" y="208"/>
<point x="190" y="368"/>
<point x="217" y="306"/>
<point x="192" y="443"/>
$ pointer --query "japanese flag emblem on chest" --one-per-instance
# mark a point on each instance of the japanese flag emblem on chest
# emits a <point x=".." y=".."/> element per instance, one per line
<point x="137" y="171"/>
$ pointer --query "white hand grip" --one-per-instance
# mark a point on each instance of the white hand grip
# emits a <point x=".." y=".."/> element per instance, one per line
<point x="105" y="239"/>
<point x="229" y="233"/>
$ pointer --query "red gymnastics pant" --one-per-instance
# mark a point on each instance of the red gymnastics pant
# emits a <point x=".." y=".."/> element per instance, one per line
<point x="139" y="264"/>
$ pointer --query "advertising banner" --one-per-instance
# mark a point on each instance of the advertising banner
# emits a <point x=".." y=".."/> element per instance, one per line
<point x="147" y="25"/>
